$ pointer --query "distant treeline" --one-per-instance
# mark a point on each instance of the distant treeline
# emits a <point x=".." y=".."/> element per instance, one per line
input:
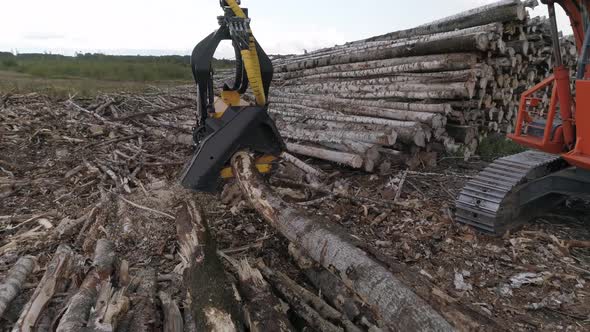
<point x="104" y="67"/>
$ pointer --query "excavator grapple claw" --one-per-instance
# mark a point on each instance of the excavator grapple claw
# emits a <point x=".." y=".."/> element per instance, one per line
<point x="227" y="123"/>
<point x="240" y="128"/>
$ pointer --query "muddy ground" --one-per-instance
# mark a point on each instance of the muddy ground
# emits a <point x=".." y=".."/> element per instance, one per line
<point x="60" y="159"/>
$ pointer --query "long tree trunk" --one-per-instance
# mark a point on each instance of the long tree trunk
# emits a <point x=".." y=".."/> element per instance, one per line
<point x="463" y="90"/>
<point x="432" y="119"/>
<point x="78" y="310"/>
<point x="54" y="281"/>
<point x="330" y="286"/>
<point x="172" y="317"/>
<point x="501" y="11"/>
<point x="338" y="136"/>
<point x="14" y="281"/>
<point x="340" y="118"/>
<point x="144" y="306"/>
<point x="442" y="108"/>
<point x="349" y="159"/>
<point x="403" y="69"/>
<point x="410" y="135"/>
<point x="262" y="308"/>
<point x="110" y="309"/>
<point x="492" y="30"/>
<point x="212" y="302"/>
<point x="299" y="297"/>
<point x="462" y="60"/>
<point x="329" y="246"/>
<point x="424" y="46"/>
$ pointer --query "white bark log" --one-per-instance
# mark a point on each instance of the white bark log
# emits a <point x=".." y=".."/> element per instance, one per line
<point x="425" y="46"/>
<point x="411" y="135"/>
<point x="467" y="60"/>
<point x="432" y="119"/>
<point x="172" y="317"/>
<point x="78" y="309"/>
<point x="342" y="118"/>
<point x="399" y="307"/>
<point x="340" y="136"/>
<point x="464" y="90"/>
<point x="14" y="281"/>
<point x="302" y="165"/>
<point x="442" y="108"/>
<point x="349" y="159"/>
<point x="56" y="274"/>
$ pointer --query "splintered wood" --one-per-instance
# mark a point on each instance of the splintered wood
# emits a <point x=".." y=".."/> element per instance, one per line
<point x="441" y="87"/>
<point x="213" y="307"/>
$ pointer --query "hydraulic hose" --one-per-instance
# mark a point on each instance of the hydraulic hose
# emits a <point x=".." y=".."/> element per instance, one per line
<point x="250" y="59"/>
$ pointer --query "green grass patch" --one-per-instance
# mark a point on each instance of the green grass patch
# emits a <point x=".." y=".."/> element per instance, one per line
<point x="83" y="87"/>
<point x="90" y="74"/>
<point x="497" y="146"/>
<point x="104" y="67"/>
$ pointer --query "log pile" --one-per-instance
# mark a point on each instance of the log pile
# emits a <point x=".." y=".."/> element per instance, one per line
<point x="438" y="87"/>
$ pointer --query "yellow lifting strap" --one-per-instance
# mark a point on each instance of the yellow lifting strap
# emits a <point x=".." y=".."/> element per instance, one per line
<point x="250" y="58"/>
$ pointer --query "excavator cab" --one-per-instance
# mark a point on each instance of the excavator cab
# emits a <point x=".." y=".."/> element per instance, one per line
<point x="228" y="124"/>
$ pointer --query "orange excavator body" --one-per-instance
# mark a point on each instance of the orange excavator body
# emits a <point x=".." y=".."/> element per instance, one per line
<point x="514" y="189"/>
<point x="571" y="137"/>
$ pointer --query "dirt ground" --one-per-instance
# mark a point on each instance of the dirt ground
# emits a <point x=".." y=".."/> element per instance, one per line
<point x="62" y="159"/>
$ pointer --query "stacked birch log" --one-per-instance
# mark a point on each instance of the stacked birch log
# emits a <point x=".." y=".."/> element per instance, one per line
<point x="439" y="87"/>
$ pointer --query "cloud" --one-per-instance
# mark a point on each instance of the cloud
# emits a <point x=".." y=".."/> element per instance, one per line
<point x="43" y="36"/>
<point x="117" y="26"/>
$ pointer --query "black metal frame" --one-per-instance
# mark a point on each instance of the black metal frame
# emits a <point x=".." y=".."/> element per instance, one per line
<point x="202" y="57"/>
<point x="240" y="127"/>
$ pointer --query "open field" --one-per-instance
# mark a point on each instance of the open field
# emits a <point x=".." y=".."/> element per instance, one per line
<point x="64" y="87"/>
<point x="104" y="67"/>
<point x="90" y="74"/>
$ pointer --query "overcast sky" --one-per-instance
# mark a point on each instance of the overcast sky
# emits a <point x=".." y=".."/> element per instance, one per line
<point x="175" y="26"/>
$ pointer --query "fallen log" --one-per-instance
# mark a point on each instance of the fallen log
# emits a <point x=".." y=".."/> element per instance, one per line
<point x="331" y="288"/>
<point x="349" y="159"/>
<point x="462" y="316"/>
<point x="14" y="281"/>
<point x="172" y="317"/>
<point x="78" y="309"/>
<point x="213" y="307"/>
<point x="303" y="166"/>
<point x="410" y="135"/>
<point x="110" y="309"/>
<point x="262" y="308"/>
<point x="54" y="281"/>
<point x="338" y="136"/>
<point x="144" y="306"/>
<point x="295" y="292"/>
<point x="369" y="152"/>
<point x="303" y="310"/>
<point x="398" y="306"/>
